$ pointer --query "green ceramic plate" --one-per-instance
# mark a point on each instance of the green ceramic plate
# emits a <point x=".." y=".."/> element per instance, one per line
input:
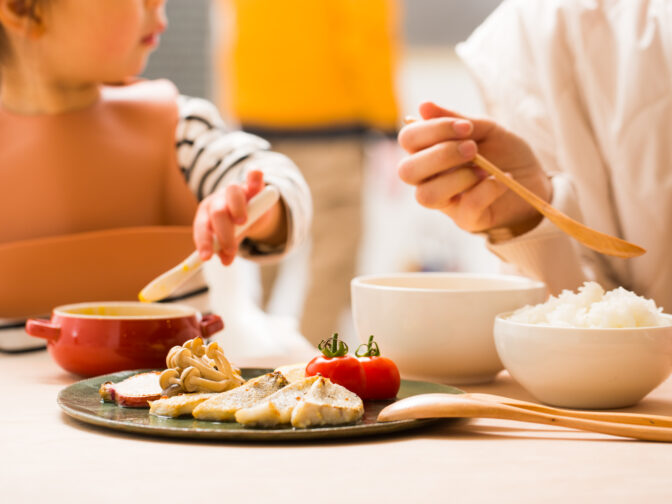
<point x="81" y="401"/>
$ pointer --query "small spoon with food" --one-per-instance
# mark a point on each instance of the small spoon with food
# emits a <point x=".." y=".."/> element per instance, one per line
<point x="596" y="240"/>
<point x="166" y="283"/>
<point x="466" y="406"/>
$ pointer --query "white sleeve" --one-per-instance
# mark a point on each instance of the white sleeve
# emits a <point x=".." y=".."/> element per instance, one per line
<point x="212" y="157"/>
<point x="548" y="254"/>
<point x="521" y="63"/>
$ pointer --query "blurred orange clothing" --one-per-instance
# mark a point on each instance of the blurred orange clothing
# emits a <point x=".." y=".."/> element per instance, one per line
<point x="304" y="64"/>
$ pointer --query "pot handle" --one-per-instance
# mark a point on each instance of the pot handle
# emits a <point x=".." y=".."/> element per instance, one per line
<point x="43" y="328"/>
<point x="210" y="324"/>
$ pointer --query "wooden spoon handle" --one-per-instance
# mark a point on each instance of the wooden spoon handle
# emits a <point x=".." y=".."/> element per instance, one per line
<point x="454" y="406"/>
<point x="602" y="416"/>
<point x="596" y="240"/>
<point x="542" y="206"/>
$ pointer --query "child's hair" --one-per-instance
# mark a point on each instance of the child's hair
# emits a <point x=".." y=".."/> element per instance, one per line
<point x="22" y="8"/>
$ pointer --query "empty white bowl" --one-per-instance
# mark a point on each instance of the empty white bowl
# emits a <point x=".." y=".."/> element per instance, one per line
<point x="585" y="368"/>
<point x="439" y="326"/>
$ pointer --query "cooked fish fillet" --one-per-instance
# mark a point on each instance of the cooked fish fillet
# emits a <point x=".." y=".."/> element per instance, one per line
<point x="327" y="404"/>
<point x="277" y="408"/>
<point x="178" y="405"/>
<point x="222" y="407"/>
<point x="293" y="372"/>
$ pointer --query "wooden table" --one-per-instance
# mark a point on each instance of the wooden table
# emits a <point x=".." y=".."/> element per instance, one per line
<point x="47" y="457"/>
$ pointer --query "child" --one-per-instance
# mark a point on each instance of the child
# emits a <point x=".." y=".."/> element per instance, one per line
<point x="100" y="184"/>
<point x="588" y="85"/>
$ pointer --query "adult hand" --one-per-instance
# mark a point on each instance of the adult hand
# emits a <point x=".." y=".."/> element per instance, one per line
<point x="441" y="148"/>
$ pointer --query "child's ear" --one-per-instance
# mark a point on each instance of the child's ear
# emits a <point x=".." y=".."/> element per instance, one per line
<point x="17" y="17"/>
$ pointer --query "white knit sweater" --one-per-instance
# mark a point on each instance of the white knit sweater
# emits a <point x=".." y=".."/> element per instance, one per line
<point x="589" y="84"/>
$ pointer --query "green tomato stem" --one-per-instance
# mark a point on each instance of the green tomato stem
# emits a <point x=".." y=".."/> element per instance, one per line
<point x="371" y="349"/>
<point x="333" y="347"/>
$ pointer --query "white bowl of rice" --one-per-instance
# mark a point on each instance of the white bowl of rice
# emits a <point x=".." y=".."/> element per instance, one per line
<point x="590" y="349"/>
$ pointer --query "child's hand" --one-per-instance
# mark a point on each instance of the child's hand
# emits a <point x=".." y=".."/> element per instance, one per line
<point x="441" y="147"/>
<point x="220" y="213"/>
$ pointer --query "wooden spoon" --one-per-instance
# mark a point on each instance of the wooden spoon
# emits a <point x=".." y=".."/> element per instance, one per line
<point x="463" y="406"/>
<point x="596" y="240"/>
<point x="602" y="416"/>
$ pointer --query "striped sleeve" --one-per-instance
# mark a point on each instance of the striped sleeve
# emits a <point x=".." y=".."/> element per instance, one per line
<point x="211" y="157"/>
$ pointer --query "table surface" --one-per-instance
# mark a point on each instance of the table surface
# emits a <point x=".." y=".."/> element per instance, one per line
<point x="44" y="453"/>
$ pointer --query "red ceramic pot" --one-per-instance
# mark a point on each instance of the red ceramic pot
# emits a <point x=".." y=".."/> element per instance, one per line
<point x="97" y="338"/>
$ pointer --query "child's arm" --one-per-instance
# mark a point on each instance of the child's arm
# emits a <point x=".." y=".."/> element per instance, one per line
<point x="224" y="170"/>
<point x="441" y="147"/>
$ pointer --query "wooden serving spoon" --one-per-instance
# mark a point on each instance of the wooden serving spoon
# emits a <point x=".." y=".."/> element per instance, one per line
<point x="463" y="406"/>
<point x="596" y="240"/>
<point x="602" y="416"/>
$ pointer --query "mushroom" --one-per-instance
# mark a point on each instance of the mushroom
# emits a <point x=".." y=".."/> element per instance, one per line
<point x="223" y="365"/>
<point x="169" y="378"/>
<point x="170" y="358"/>
<point x="195" y="346"/>
<point x="183" y="359"/>
<point x="192" y="382"/>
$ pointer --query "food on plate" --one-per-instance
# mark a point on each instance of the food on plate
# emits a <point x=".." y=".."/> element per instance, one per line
<point x="336" y="364"/>
<point x="175" y="406"/>
<point x="277" y="408"/>
<point x="194" y="367"/>
<point x="222" y="407"/>
<point x="133" y="392"/>
<point x="191" y="387"/>
<point x="592" y="307"/>
<point x="326" y="403"/>
<point x="293" y="372"/>
<point x="382" y="375"/>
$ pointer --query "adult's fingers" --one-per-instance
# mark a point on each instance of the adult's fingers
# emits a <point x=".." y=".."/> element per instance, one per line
<point x="481" y="127"/>
<point x="422" y="134"/>
<point x="475" y="211"/>
<point x="436" y="159"/>
<point x="439" y="192"/>
<point x="430" y="110"/>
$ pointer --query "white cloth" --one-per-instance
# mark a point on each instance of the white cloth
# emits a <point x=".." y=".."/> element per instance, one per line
<point x="588" y="83"/>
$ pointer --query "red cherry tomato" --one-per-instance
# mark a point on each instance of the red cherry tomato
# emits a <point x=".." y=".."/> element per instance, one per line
<point x="338" y="366"/>
<point x="382" y="374"/>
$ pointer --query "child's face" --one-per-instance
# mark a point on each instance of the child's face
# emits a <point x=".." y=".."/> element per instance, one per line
<point x="100" y="40"/>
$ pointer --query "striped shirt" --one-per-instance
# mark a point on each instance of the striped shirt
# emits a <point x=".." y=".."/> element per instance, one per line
<point x="211" y="156"/>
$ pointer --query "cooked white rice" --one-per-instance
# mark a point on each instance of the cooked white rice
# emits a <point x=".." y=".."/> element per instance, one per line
<point x="591" y="306"/>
